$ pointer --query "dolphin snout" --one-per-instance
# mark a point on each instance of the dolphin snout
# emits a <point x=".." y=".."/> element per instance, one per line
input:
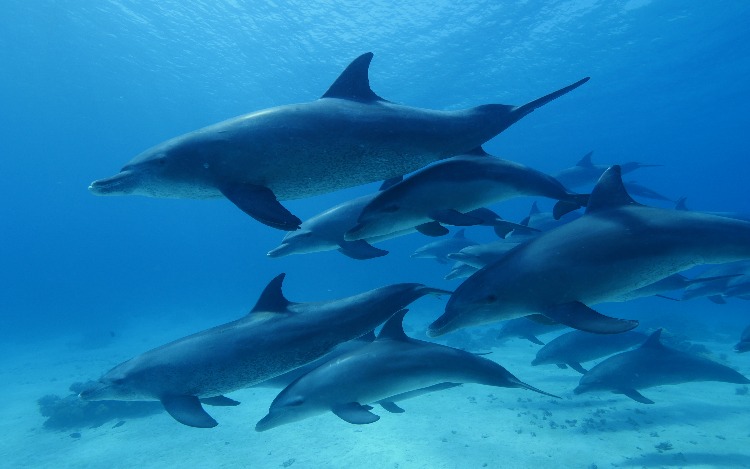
<point x="279" y="251"/>
<point x="120" y="183"/>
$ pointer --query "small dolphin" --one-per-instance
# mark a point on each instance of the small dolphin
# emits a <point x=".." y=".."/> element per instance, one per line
<point x="653" y="364"/>
<point x="618" y="246"/>
<point x="325" y="232"/>
<point x="481" y="255"/>
<point x="681" y="204"/>
<point x="527" y="328"/>
<point x="586" y="172"/>
<point x="392" y="365"/>
<point x="349" y="136"/>
<point x="460" y="270"/>
<point x="640" y="190"/>
<point x="670" y="283"/>
<point x="716" y="281"/>
<point x="440" y="249"/>
<point x="575" y="347"/>
<point x="744" y="344"/>
<point x="275" y="337"/>
<point x="445" y="191"/>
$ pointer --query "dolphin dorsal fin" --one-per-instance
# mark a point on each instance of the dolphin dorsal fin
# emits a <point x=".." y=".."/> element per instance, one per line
<point x="354" y="83"/>
<point x="272" y="299"/>
<point x="460" y="234"/>
<point x="681" y="204"/>
<point x="394" y="327"/>
<point x="585" y="162"/>
<point x="478" y="151"/>
<point x="534" y="209"/>
<point x="654" y="340"/>
<point x="609" y="192"/>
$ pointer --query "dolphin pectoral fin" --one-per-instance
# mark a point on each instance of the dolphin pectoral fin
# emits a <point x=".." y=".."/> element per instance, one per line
<point x="562" y="366"/>
<point x="391" y="407"/>
<point x="360" y="250"/>
<point x="433" y="229"/>
<point x="718" y="299"/>
<point x="188" y="411"/>
<point x="577" y="366"/>
<point x="533" y="339"/>
<point x="454" y="217"/>
<point x="219" y="401"/>
<point x="635" y="395"/>
<point x="354" y="412"/>
<point x="579" y="316"/>
<point x="502" y="228"/>
<point x="260" y="203"/>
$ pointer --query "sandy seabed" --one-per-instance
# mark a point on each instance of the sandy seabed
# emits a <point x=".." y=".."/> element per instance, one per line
<point x="691" y="425"/>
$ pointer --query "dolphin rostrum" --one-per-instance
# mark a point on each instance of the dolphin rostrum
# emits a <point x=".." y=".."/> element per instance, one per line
<point x="617" y="246"/>
<point x="349" y="136"/>
<point x="275" y="337"/>
<point x="446" y="191"/>
<point x="653" y="364"/>
<point x="391" y="365"/>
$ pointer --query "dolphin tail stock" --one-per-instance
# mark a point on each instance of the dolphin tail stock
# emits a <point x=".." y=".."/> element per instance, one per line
<point x="537" y="103"/>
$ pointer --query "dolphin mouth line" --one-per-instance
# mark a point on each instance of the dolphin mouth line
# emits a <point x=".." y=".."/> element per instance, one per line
<point x="119" y="183"/>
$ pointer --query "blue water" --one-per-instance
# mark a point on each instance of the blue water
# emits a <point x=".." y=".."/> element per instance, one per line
<point x="85" y="86"/>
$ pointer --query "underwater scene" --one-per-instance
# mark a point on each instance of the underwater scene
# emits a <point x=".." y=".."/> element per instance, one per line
<point x="428" y="234"/>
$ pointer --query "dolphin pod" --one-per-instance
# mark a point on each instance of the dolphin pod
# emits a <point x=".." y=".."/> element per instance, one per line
<point x="618" y="246"/>
<point x="274" y="338"/>
<point x="350" y="136"/>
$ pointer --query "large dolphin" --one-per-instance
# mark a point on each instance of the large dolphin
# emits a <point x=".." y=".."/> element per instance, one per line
<point x="391" y="365"/>
<point x="744" y="344"/>
<point x="574" y="347"/>
<point x="653" y="364"/>
<point x="618" y="246"/>
<point x="275" y="337"/>
<point x="349" y="136"/>
<point x="586" y="172"/>
<point x="440" y="249"/>
<point x="445" y="191"/>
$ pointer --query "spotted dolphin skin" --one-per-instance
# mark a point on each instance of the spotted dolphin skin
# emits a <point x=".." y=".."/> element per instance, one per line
<point x="382" y="372"/>
<point x="275" y="337"/>
<point x="446" y="191"/>
<point x="617" y="246"/>
<point x="653" y="364"/>
<point x="349" y="136"/>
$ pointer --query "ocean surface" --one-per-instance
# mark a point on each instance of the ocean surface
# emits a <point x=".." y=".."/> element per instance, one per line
<point x="88" y="282"/>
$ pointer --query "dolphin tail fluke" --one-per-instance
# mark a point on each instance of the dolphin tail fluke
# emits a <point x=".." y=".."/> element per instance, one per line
<point x="574" y="202"/>
<point x="537" y="103"/>
<point x="188" y="411"/>
<point x="579" y="316"/>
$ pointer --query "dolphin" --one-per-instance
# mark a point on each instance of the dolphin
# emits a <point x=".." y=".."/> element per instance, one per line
<point x="275" y="337"/>
<point x="642" y="191"/>
<point x="574" y="347"/>
<point x="617" y="246"/>
<point x="325" y="232"/>
<point x="460" y="270"/>
<point x="716" y="281"/>
<point x="350" y="136"/>
<point x="744" y="344"/>
<point x="653" y="364"/>
<point x="528" y="328"/>
<point x="391" y="365"/>
<point x="440" y="249"/>
<point x="681" y="204"/>
<point x="670" y="283"/>
<point x="446" y="190"/>
<point x="480" y="255"/>
<point x="586" y="172"/>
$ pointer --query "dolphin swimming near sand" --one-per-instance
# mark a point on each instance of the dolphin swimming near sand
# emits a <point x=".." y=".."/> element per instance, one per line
<point x="575" y="347"/>
<point x="391" y="365"/>
<point x="350" y="136"/>
<point x="617" y="246"/>
<point x="445" y="191"/>
<point x="653" y="364"/>
<point x="275" y="337"/>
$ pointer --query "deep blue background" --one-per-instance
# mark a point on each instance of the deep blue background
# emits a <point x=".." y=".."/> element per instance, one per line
<point x="85" y="86"/>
